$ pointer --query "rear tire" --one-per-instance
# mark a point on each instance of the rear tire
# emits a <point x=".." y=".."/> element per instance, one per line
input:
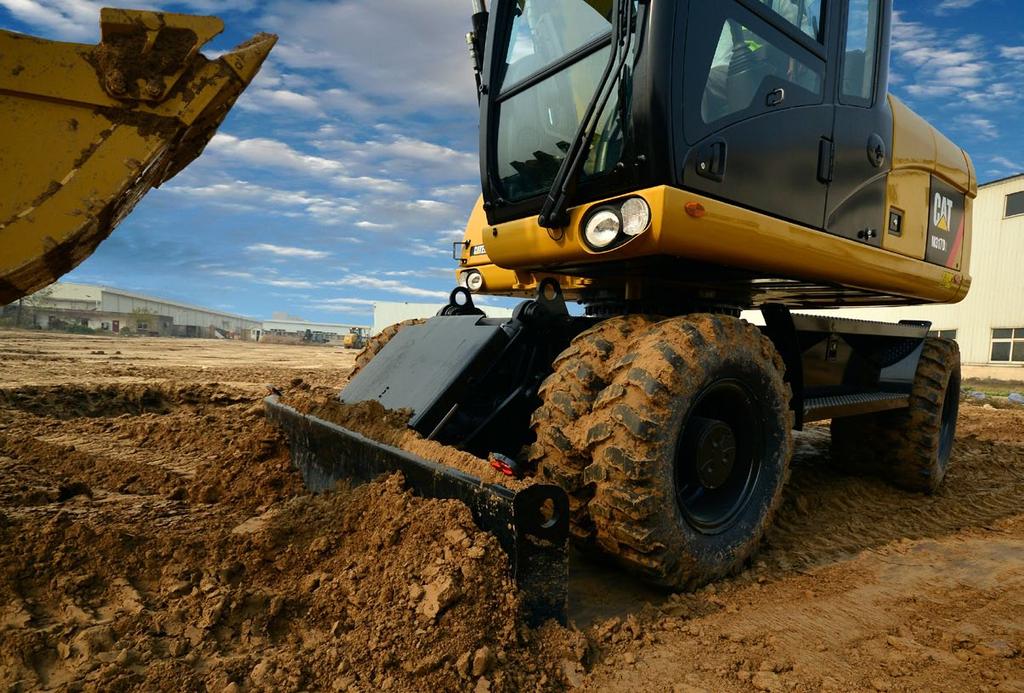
<point x="375" y="343"/>
<point x="911" y="447"/>
<point x="691" y="444"/>
<point x="567" y="395"/>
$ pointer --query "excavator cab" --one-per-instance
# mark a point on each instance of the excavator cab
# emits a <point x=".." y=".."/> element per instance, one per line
<point x="772" y="112"/>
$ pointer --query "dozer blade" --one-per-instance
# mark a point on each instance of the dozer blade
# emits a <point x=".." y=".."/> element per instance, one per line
<point x="531" y="525"/>
<point x="86" y="131"/>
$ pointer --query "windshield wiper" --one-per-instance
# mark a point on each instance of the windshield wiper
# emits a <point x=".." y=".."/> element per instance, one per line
<point x="553" y="212"/>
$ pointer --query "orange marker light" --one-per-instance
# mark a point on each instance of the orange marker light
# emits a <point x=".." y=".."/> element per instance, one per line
<point x="695" y="209"/>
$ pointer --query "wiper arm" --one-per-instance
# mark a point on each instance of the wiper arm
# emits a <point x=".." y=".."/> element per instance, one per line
<point x="553" y="212"/>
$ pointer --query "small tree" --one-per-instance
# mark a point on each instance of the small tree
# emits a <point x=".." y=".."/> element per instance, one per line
<point x="33" y="302"/>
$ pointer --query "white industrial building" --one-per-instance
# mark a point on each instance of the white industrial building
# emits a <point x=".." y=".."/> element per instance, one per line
<point x="389" y="312"/>
<point x="112" y="310"/>
<point x="289" y="327"/>
<point x="988" y="325"/>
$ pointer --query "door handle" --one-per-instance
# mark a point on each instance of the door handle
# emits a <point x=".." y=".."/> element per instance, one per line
<point x="776" y="97"/>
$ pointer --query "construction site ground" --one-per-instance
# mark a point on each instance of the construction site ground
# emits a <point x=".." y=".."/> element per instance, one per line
<point x="154" y="537"/>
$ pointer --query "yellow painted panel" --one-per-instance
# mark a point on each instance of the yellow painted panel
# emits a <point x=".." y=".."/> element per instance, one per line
<point x="909" y="191"/>
<point x="735" y="237"/>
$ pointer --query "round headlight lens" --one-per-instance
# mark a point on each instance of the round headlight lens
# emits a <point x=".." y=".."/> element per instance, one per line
<point x="474" y="281"/>
<point x="603" y="228"/>
<point x="636" y="216"/>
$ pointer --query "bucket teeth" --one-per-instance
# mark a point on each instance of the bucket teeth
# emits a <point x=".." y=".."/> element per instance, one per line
<point x="119" y="118"/>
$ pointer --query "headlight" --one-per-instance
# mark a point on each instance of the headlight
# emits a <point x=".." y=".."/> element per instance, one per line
<point x="602" y="229"/>
<point x="462" y="279"/>
<point x="636" y="216"/>
<point x="474" y="280"/>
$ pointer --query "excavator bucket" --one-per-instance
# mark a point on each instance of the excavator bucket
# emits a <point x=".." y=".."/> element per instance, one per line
<point x="86" y="131"/>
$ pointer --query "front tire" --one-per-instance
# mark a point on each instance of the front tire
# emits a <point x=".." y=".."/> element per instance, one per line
<point x="567" y="395"/>
<point x="691" y="444"/>
<point x="377" y="342"/>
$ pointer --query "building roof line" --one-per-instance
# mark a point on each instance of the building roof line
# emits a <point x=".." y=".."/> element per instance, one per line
<point x="176" y="304"/>
<point x="1001" y="180"/>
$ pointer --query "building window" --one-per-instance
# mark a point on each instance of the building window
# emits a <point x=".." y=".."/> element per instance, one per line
<point x="142" y="326"/>
<point x="1008" y="345"/>
<point x="1015" y="204"/>
<point x="943" y="334"/>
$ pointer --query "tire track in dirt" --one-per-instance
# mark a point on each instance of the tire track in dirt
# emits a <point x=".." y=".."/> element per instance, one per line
<point x="828" y="516"/>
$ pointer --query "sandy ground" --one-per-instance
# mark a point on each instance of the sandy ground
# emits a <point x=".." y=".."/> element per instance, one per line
<point x="153" y="537"/>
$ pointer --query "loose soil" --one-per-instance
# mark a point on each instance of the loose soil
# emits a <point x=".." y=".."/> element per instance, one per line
<point x="153" y="536"/>
<point x="390" y="427"/>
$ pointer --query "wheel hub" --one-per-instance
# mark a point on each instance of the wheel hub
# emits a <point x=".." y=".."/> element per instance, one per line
<point x="713" y="445"/>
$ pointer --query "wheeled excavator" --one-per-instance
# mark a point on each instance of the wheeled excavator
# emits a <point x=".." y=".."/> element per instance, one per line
<point x="666" y="166"/>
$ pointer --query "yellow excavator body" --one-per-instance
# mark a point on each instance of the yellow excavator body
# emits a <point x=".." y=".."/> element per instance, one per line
<point x="87" y="130"/>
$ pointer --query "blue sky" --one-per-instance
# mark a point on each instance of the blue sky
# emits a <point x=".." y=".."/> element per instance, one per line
<point x="349" y="166"/>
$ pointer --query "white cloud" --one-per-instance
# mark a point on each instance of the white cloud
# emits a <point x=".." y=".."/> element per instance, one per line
<point x="977" y="126"/>
<point x="268" y="153"/>
<point x="366" y="281"/>
<point x="77" y="20"/>
<point x="289" y="283"/>
<point x="234" y="274"/>
<point x="269" y="99"/>
<point x="1006" y="164"/>
<point x="399" y="154"/>
<point x="352" y="306"/>
<point x="947" y="6"/>
<point x="938" y="64"/>
<point x="287" y="251"/>
<point x="1012" y="52"/>
<point x="411" y="54"/>
<point x="468" y="190"/>
<point x="243" y="196"/>
<point x="382" y="186"/>
<point x="426" y="249"/>
<point x="373" y="225"/>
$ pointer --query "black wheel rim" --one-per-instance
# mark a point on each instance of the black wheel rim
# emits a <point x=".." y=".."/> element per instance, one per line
<point x="950" y="410"/>
<point x="714" y="485"/>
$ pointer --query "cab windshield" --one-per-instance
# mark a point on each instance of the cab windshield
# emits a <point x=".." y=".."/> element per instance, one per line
<point x="554" y="60"/>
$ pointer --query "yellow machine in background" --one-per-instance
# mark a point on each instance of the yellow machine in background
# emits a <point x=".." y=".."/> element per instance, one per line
<point x="86" y="130"/>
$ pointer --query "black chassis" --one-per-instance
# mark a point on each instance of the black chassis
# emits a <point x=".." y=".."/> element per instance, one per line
<point x="472" y="382"/>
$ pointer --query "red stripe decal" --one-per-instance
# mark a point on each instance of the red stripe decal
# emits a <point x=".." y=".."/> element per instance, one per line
<point x="954" y="254"/>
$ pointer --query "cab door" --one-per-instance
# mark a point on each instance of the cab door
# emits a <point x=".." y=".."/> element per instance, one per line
<point x="863" y="129"/>
<point x="757" y="106"/>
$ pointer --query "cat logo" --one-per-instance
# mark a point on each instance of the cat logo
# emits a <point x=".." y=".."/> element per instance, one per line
<point x="942" y="212"/>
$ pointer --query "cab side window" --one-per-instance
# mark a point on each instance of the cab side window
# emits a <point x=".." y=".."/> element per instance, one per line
<point x="861" y="53"/>
<point x="805" y="15"/>
<point x="750" y="73"/>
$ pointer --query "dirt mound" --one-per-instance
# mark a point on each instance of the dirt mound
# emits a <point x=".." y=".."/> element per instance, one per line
<point x="207" y="443"/>
<point x="177" y="549"/>
<point x="370" y="587"/>
<point x="72" y="401"/>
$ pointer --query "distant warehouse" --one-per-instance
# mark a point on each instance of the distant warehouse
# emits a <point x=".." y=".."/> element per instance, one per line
<point x="107" y="309"/>
<point x="988" y="324"/>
